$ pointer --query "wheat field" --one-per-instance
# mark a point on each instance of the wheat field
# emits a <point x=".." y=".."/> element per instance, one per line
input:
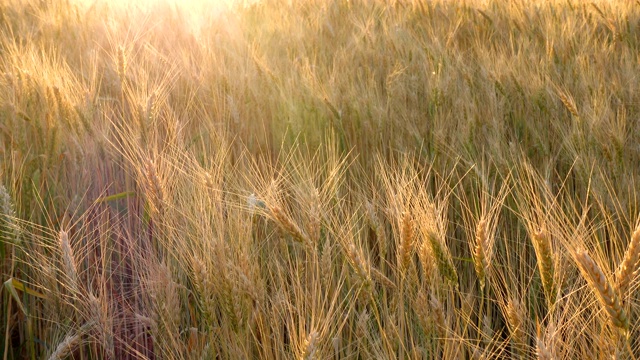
<point x="319" y="179"/>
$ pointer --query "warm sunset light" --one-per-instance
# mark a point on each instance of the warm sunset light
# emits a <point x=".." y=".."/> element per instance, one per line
<point x="192" y="5"/>
<point x="193" y="13"/>
<point x="319" y="179"/>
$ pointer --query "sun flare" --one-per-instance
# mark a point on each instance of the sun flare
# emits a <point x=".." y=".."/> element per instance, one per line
<point x="319" y="179"/>
<point x="194" y="9"/>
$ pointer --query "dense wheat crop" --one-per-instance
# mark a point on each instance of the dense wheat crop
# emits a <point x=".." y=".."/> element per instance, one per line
<point x="319" y="179"/>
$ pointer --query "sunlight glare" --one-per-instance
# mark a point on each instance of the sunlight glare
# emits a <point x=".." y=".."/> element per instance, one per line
<point x="195" y="7"/>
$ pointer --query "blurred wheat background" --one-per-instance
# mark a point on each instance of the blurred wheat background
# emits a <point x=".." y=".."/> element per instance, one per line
<point x="319" y="179"/>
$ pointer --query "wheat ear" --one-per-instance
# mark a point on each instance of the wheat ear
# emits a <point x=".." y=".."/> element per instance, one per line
<point x="68" y="260"/>
<point x="544" y="253"/>
<point x="442" y="258"/>
<point x="286" y="224"/>
<point x="309" y="346"/>
<point x="64" y="349"/>
<point x="9" y="228"/>
<point x="624" y="274"/>
<point x="121" y="63"/>
<point x="154" y="186"/>
<point x="480" y="260"/>
<point x="569" y="103"/>
<point x="360" y="265"/>
<point x="382" y="279"/>
<point x="542" y="352"/>
<point x="604" y="290"/>
<point x="407" y="230"/>
<point x="516" y="322"/>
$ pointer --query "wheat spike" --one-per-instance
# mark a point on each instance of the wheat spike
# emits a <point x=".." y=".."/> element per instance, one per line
<point x="287" y="224"/>
<point x="204" y="286"/>
<point x="569" y="103"/>
<point x="544" y="253"/>
<point x="625" y="271"/>
<point x="382" y="279"/>
<point x="70" y="342"/>
<point x="360" y="265"/>
<point x="9" y="227"/>
<point x="68" y="260"/>
<point x="309" y="346"/>
<point x="603" y="289"/>
<point x="443" y="258"/>
<point x="313" y="227"/>
<point x="487" y="329"/>
<point x="515" y="322"/>
<point x="480" y="260"/>
<point x="438" y="314"/>
<point x="376" y="225"/>
<point x="326" y="261"/>
<point x="357" y="260"/>
<point x="64" y="349"/>
<point x="421" y="307"/>
<point x="151" y="111"/>
<point x="154" y="186"/>
<point x="406" y="240"/>
<point x="544" y="350"/>
<point x="121" y="63"/>
<point x="426" y="261"/>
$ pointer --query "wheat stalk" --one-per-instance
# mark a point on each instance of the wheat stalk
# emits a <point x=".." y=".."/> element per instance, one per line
<point x="604" y="290"/>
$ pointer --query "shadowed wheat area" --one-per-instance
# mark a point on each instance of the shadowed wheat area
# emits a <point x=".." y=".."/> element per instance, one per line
<point x="319" y="179"/>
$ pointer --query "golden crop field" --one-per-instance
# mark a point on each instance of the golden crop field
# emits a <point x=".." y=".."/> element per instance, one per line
<point x="319" y="179"/>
